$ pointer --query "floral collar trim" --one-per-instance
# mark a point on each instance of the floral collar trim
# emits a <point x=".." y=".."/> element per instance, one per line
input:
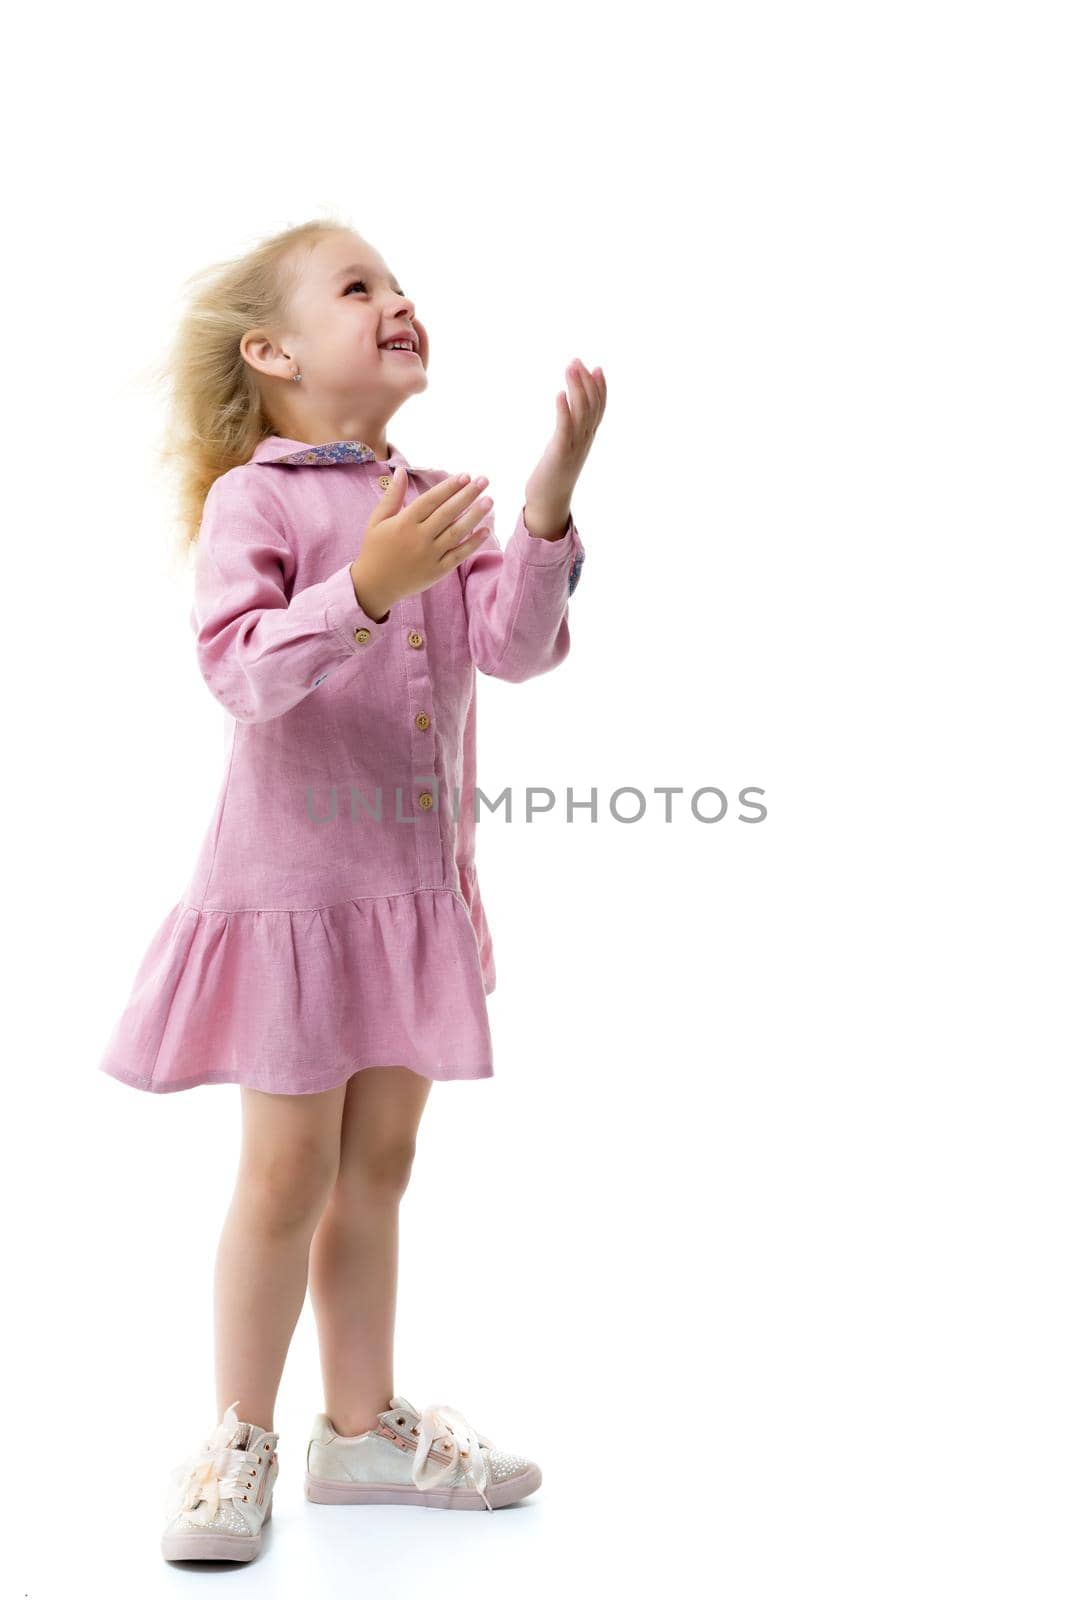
<point x="275" y="450"/>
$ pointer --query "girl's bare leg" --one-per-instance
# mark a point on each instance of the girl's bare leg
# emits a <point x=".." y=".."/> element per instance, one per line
<point x="353" y="1263"/>
<point x="290" y="1152"/>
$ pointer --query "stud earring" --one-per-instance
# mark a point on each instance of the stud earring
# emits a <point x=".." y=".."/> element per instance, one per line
<point x="297" y="377"/>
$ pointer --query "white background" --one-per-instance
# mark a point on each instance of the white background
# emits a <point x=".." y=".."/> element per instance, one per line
<point x="754" y="1241"/>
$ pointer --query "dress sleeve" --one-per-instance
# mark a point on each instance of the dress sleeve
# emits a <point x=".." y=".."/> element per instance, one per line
<point x="259" y="651"/>
<point x="517" y="599"/>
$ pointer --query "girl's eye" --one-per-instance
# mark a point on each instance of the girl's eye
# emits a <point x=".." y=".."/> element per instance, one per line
<point x="360" y="283"/>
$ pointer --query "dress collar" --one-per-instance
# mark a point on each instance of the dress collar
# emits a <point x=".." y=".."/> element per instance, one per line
<point x="275" y="450"/>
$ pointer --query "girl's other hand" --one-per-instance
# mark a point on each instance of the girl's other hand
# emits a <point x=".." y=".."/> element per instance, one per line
<point x="552" y="482"/>
<point x="407" y="549"/>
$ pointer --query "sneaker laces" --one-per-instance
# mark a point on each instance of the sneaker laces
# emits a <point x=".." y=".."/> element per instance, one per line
<point x="444" y="1422"/>
<point x="220" y="1470"/>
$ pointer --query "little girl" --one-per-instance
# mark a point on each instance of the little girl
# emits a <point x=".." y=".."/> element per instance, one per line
<point x="331" y="954"/>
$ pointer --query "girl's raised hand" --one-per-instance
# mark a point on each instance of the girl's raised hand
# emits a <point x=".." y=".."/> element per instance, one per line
<point x="409" y="548"/>
<point x="551" y="484"/>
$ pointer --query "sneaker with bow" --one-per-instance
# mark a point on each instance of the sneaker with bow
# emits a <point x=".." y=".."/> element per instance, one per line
<point x="219" y="1499"/>
<point x="425" y="1458"/>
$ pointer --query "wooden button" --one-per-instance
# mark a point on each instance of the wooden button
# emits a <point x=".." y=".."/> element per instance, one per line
<point x="415" y="639"/>
<point x="422" y="720"/>
<point x="384" y="481"/>
<point x="425" y="801"/>
<point x="363" y="635"/>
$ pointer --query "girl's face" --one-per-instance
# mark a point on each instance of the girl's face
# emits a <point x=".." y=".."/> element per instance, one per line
<point x="346" y="306"/>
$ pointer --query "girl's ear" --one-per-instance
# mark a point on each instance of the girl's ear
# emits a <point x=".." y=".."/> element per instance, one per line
<point x="423" y="340"/>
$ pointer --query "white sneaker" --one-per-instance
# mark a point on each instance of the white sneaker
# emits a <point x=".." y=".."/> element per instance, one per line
<point x="428" y="1458"/>
<point x="220" y="1498"/>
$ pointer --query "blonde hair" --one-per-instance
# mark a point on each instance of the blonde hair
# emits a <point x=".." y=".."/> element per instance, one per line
<point x="215" y="405"/>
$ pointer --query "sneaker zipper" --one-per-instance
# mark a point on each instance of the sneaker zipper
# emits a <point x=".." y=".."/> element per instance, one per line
<point x="261" y="1494"/>
<point x="391" y="1434"/>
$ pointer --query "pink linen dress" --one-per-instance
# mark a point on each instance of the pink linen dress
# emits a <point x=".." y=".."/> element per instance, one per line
<point x="333" y="920"/>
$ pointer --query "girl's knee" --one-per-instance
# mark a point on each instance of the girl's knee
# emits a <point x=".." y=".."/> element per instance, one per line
<point x="289" y="1187"/>
<point x="383" y="1166"/>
